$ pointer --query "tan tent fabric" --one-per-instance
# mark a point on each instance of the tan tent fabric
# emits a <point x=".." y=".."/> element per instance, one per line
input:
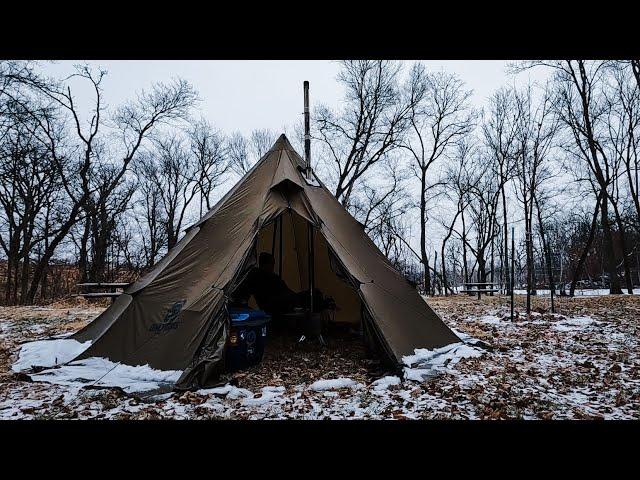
<point x="173" y="317"/>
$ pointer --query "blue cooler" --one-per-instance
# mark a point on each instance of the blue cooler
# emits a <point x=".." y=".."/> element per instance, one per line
<point x="247" y="336"/>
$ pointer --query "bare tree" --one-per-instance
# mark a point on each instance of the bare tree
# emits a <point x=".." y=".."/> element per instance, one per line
<point x="458" y="183"/>
<point x="381" y="197"/>
<point x="238" y="152"/>
<point x="483" y="206"/>
<point x="536" y="129"/>
<point x="27" y="193"/>
<point x="635" y="67"/>
<point x="582" y="107"/>
<point x="149" y="215"/>
<point x="624" y="130"/>
<point x="174" y="172"/>
<point x="207" y="148"/>
<point x="499" y="128"/>
<point x="244" y="152"/>
<point x="261" y="140"/>
<point x="371" y="124"/>
<point x="89" y="172"/>
<point x="439" y="115"/>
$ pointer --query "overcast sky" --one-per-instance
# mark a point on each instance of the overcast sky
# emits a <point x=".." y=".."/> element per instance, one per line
<point x="244" y="95"/>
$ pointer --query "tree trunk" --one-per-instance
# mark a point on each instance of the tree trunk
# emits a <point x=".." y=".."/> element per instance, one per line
<point x="529" y="256"/>
<point x="583" y="256"/>
<point x="443" y="269"/>
<point x="83" y="256"/>
<point x="545" y="247"/>
<point x="43" y="264"/>
<point x="506" y="240"/>
<point x="423" y="233"/>
<point x="614" y="282"/>
<point x="492" y="266"/>
<point x="10" y="265"/>
<point x="623" y="248"/>
<point x="482" y="268"/>
<point x="464" y="250"/>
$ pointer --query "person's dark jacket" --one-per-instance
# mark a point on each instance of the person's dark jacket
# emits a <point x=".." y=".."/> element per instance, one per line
<point x="271" y="293"/>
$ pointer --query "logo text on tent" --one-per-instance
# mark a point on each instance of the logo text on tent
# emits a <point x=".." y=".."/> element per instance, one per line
<point x="171" y="319"/>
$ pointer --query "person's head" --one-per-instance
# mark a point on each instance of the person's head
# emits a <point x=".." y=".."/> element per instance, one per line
<point x="266" y="262"/>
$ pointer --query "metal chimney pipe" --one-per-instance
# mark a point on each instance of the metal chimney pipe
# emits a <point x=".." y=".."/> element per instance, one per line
<point x="307" y="131"/>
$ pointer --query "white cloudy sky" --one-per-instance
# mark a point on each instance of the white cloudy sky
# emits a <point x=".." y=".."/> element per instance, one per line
<point x="243" y="95"/>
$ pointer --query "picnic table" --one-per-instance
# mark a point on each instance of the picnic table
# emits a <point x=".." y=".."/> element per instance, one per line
<point x="480" y="288"/>
<point x="110" y="286"/>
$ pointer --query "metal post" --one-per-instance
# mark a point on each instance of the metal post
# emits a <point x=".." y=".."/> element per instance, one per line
<point x="492" y="267"/>
<point x="307" y="131"/>
<point x="529" y="273"/>
<point x="513" y="248"/>
<point x="551" y="282"/>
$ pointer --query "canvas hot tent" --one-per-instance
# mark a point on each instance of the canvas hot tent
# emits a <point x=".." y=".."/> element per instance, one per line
<point x="174" y="318"/>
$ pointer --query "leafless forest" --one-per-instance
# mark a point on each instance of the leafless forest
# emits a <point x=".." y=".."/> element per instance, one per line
<point x="100" y="192"/>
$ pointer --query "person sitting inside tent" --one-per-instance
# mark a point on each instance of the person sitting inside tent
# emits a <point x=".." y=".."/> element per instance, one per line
<point x="271" y="292"/>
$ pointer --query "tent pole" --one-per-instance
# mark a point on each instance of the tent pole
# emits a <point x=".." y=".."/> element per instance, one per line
<point x="311" y="266"/>
<point x="280" y="249"/>
<point x="273" y="241"/>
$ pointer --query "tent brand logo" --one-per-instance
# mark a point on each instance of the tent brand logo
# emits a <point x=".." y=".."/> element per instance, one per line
<point x="171" y="319"/>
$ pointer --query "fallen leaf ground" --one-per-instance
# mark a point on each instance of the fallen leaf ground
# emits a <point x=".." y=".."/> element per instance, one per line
<point x="580" y="363"/>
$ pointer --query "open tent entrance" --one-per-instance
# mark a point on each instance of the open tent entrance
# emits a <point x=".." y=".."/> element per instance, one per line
<point x="305" y="261"/>
<point x="289" y="238"/>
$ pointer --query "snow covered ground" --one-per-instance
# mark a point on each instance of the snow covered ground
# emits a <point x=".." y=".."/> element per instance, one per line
<point x="590" y="292"/>
<point x="583" y="364"/>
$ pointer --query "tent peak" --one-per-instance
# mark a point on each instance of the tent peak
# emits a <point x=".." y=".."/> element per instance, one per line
<point x="282" y="143"/>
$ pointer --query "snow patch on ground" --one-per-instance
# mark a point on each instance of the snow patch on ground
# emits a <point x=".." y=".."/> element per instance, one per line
<point x="385" y="382"/>
<point x="102" y="372"/>
<point x="48" y="353"/>
<point x="575" y="323"/>
<point x="586" y="292"/>
<point x="430" y="363"/>
<point x="334" y="384"/>
<point x="490" y="320"/>
<point x="268" y="394"/>
<point x="443" y="356"/>
<point x="228" y="391"/>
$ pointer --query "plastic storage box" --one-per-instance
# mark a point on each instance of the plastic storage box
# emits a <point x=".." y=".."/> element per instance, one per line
<point x="247" y="336"/>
